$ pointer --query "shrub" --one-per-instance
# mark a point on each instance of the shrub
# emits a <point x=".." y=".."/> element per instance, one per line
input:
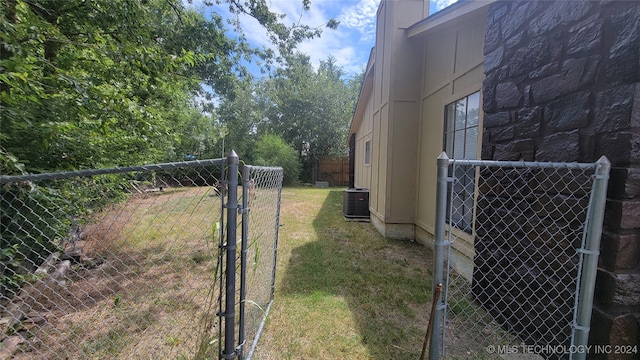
<point x="272" y="150"/>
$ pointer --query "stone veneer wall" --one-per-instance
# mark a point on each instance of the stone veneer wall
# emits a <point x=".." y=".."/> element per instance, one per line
<point x="528" y="227"/>
<point x="563" y="84"/>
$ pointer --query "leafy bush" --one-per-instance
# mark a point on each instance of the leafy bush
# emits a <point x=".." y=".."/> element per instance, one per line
<point x="272" y="150"/>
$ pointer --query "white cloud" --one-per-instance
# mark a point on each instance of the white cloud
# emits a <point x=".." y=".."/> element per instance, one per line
<point x="361" y="17"/>
<point x="441" y="4"/>
<point x="350" y="44"/>
<point x="345" y="54"/>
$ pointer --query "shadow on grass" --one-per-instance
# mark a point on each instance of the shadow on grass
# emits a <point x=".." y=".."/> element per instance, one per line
<point x="384" y="283"/>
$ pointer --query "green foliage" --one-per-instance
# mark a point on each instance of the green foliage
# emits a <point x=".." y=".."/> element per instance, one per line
<point x="311" y="109"/>
<point x="198" y="136"/>
<point x="272" y="150"/>
<point x="94" y="84"/>
<point x="87" y="84"/>
<point x="9" y="164"/>
<point x="241" y="116"/>
<point x="9" y="261"/>
<point x="285" y="38"/>
<point x="29" y="231"/>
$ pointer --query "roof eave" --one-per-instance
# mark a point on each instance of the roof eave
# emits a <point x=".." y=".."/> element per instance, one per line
<point x="457" y="10"/>
<point x="365" y="91"/>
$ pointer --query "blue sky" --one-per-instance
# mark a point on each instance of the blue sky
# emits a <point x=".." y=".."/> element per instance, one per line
<point x="350" y="44"/>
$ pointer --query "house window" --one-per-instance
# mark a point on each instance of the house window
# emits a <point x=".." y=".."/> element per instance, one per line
<point x="367" y="152"/>
<point x="461" y="142"/>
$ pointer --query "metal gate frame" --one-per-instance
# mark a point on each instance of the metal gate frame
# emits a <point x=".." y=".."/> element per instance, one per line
<point x="234" y="310"/>
<point x="588" y="251"/>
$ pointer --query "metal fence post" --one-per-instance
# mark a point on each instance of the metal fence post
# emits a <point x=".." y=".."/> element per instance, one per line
<point x="275" y="240"/>
<point x="439" y="244"/>
<point x="230" y="283"/>
<point x="243" y="258"/>
<point x="590" y="252"/>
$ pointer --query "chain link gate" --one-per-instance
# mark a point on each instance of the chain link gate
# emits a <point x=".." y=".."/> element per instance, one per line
<point x="531" y="235"/>
<point x="263" y="188"/>
<point x="130" y="262"/>
<point x="255" y="253"/>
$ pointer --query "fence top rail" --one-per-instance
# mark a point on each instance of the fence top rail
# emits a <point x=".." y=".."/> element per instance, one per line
<point x="4" y="179"/>
<point x="262" y="168"/>
<point x="527" y="164"/>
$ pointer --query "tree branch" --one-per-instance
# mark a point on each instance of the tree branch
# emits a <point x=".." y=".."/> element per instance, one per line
<point x="177" y="11"/>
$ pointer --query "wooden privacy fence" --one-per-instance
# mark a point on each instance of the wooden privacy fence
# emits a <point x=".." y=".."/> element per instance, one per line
<point x="334" y="171"/>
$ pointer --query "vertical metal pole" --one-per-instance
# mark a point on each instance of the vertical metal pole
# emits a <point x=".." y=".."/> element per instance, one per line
<point x="221" y="257"/>
<point x="277" y="229"/>
<point x="591" y="251"/>
<point x="243" y="258"/>
<point x="230" y="291"/>
<point x="438" y="253"/>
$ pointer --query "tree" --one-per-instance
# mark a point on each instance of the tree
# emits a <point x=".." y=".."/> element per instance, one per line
<point x="198" y="137"/>
<point x="284" y="37"/>
<point x="90" y="84"/>
<point x="242" y="115"/>
<point x="272" y="150"/>
<point x="311" y="109"/>
<point x="103" y="83"/>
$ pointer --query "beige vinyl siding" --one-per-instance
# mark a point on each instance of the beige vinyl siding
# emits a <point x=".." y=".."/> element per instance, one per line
<point x="403" y="163"/>
<point x="364" y="134"/>
<point x="413" y="72"/>
<point x="452" y="69"/>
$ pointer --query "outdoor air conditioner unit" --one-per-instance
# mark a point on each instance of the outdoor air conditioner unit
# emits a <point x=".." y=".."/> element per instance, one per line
<point x="355" y="204"/>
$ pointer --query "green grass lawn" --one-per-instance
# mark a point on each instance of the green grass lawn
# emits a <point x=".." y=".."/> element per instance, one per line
<point x="342" y="290"/>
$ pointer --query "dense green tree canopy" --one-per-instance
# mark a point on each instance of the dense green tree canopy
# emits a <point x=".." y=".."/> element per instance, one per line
<point x="87" y="84"/>
<point x="312" y="109"/>
<point x="111" y="82"/>
<point x="241" y="115"/>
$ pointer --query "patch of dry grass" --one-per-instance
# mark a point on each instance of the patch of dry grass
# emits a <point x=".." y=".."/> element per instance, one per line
<point x="147" y="292"/>
<point x="342" y="290"/>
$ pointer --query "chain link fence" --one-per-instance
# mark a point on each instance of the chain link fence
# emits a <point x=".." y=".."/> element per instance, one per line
<point x="125" y="263"/>
<point x="261" y="198"/>
<point x="516" y="250"/>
